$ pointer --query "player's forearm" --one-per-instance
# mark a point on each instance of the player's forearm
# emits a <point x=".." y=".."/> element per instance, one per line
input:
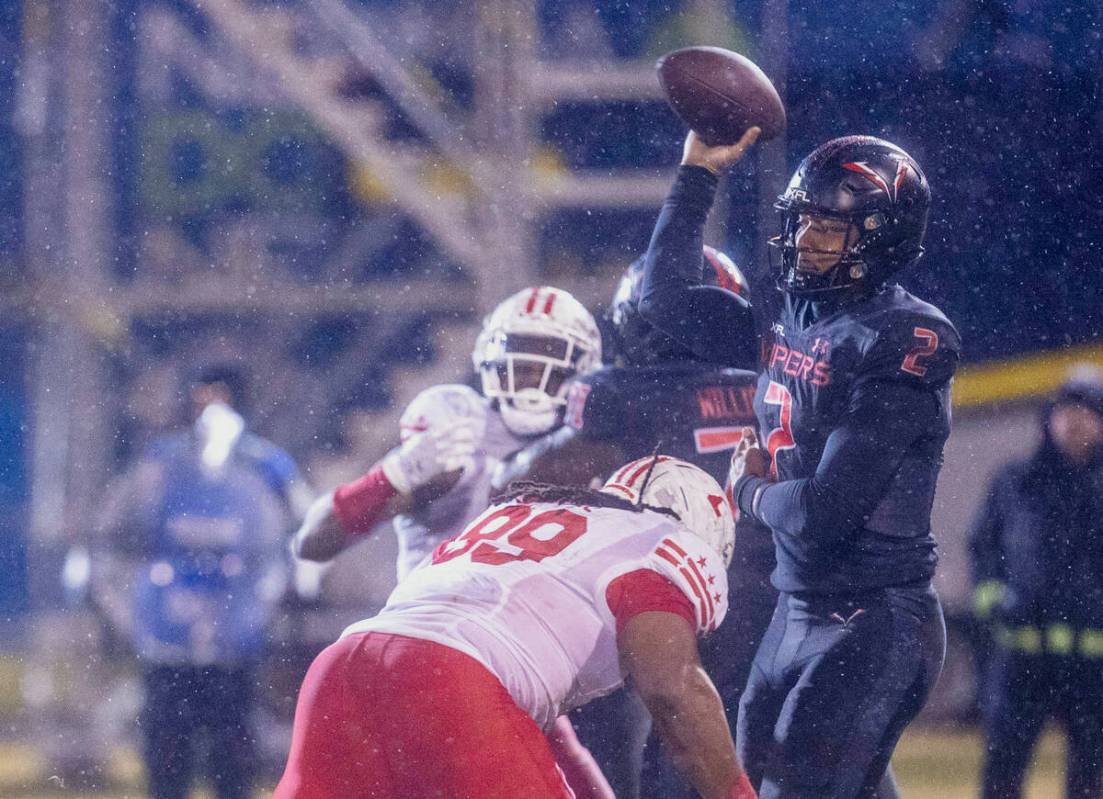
<point x="673" y="259"/>
<point x="320" y="537"/>
<point x="715" y="324"/>
<point x="578" y="765"/>
<point x="337" y="519"/>
<point x="690" y="718"/>
<point x="796" y="508"/>
<point x="860" y="461"/>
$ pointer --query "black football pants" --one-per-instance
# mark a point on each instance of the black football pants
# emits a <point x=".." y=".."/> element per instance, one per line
<point x="1021" y="692"/>
<point x="835" y="682"/>
<point x="189" y="705"/>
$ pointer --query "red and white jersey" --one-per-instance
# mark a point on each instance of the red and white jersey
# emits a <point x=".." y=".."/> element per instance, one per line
<point x="420" y="531"/>
<point x="525" y="591"/>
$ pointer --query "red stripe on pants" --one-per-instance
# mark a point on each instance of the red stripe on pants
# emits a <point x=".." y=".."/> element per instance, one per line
<point x="390" y="717"/>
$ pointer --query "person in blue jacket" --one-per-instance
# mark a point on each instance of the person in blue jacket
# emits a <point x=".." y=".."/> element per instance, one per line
<point x="1037" y="564"/>
<point x="853" y="408"/>
<point x="201" y="521"/>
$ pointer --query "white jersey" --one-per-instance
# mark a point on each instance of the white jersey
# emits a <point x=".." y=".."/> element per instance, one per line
<point x="523" y="591"/>
<point x="421" y="530"/>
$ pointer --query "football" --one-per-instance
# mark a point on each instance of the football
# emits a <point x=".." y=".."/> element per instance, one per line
<point x="720" y="94"/>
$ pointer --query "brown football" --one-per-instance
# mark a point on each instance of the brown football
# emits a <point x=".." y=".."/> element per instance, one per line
<point x="720" y="94"/>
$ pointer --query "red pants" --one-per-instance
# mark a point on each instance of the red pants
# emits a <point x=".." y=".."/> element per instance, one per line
<point x="390" y="717"/>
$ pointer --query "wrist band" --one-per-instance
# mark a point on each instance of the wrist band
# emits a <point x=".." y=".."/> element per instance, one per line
<point x="743" y="788"/>
<point x="358" y="505"/>
<point x="756" y="500"/>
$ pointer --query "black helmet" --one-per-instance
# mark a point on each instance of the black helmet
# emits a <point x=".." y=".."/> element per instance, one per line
<point x="637" y="342"/>
<point x="871" y="184"/>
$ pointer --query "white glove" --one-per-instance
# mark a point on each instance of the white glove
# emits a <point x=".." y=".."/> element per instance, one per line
<point x="747" y="458"/>
<point x="429" y="454"/>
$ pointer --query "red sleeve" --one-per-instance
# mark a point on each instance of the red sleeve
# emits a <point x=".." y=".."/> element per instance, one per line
<point x="645" y="590"/>
<point x="577" y="763"/>
<point x="743" y="788"/>
<point x="358" y="505"/>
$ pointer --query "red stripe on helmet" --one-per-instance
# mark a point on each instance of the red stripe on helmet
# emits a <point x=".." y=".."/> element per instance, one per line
<point x="530" y="306"/>
<point x="723" y="277"/>
<point x="870" y="175"/>
<point x="644" y="467"/>
<point x="901" y="174"/>
<point x="619" y="476"/>
<point x="631" y="494"/>
<point x="549" y="302"/>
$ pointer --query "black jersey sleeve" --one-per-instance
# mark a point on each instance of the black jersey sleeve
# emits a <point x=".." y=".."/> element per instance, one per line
<point x="595" y="409"/>
<point x="859" y="461"/>
<point x="916" y="349"/>
<point x="713" y="323"/>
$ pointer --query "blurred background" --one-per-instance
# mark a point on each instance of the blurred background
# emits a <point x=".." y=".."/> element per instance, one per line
<point x="329" y="194"/>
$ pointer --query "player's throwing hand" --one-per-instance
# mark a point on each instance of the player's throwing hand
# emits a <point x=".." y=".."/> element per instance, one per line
<point x="719" y="158"/>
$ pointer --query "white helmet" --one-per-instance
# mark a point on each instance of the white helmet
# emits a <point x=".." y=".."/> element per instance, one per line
<point x="530" y="348"/>
<point x="689" y="491"/>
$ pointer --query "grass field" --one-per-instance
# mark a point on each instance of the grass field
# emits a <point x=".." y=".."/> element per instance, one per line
<point x="929" y="765"/>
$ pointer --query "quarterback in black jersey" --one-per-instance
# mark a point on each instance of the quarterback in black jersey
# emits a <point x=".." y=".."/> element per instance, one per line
<point x="853" y="407"/>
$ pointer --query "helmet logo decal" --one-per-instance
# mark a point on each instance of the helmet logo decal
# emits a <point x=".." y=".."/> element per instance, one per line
<point x="716" y="503"/>
<point x="867" y="172"/>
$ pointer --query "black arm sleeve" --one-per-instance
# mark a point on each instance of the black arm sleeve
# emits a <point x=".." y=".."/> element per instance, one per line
<point x="713" y="323"/>
<point x="859" y="461"/>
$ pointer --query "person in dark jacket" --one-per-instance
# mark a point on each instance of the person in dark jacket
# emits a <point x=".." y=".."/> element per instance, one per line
<point x="1037" y="560"/>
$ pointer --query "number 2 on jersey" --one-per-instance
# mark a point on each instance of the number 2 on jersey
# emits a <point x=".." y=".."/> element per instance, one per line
<point x="558" y="529"/>
<point x="781" y="437"/>
<point x="929" y="344"/>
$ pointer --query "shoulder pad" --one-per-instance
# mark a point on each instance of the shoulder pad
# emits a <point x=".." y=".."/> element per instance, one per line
<point x="441" y="407"/>
<point x="697" y="571"/>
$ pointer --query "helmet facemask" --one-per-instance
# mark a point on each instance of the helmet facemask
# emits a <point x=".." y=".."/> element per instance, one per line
<point x="529" y="374"/>
<point x="530" y="348"/>
<point x="798" y="274"/>
<point x="873" y="187"/>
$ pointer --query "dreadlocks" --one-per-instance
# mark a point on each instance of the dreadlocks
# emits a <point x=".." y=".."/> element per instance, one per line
<point x="527" y="491"/>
